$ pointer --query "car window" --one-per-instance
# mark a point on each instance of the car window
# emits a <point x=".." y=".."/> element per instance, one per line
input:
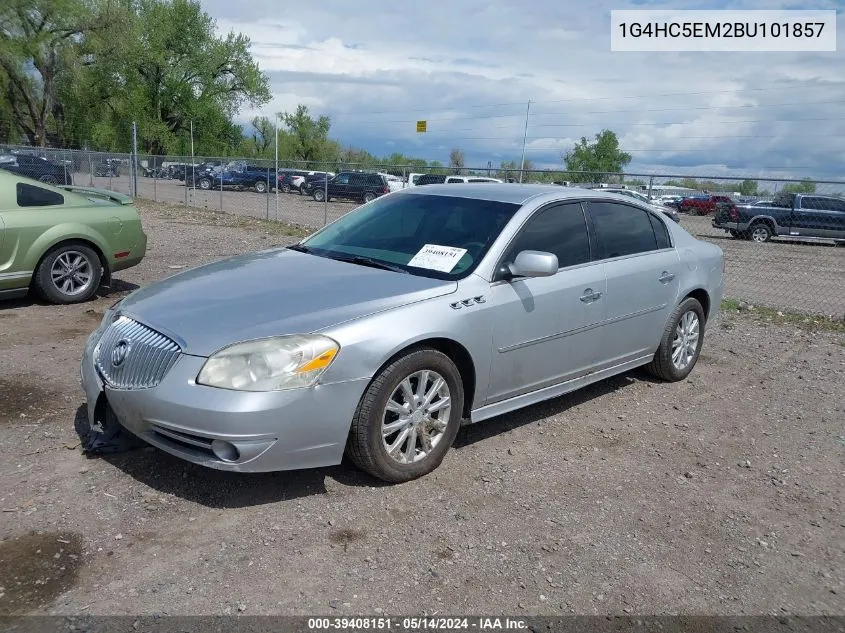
<point x="661" y="233"/>
<point x="836" y="205"/>
<point x="622" y="229"/>
<point x="32" y="196"/>
<point x="560" y="229"/>
<point x="396" y="229"/>
<point x="454" y="179"/>
<point x="342" y="179"/>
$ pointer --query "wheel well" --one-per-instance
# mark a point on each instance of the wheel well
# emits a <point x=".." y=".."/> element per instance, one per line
<point x="457" y="353"/>
<point x="767" y="221"/>
<point x="703" y="298"/>
<point x="106" y="272"/>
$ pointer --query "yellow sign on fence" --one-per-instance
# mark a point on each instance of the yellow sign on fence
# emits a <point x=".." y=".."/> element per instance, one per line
<point x="421" y="126"/>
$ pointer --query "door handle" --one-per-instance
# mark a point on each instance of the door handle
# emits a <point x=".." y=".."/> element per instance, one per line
<point x="590" y="295"/>
<point x="665" y="277"/>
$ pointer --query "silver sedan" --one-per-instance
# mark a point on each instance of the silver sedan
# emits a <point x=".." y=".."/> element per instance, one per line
<point x="379" y="335"/>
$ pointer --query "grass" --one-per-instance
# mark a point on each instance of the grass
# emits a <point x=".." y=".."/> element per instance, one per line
<point x="809" y="322"/>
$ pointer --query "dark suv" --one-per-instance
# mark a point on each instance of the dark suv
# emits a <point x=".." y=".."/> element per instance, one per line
<point x="350" y="185"/>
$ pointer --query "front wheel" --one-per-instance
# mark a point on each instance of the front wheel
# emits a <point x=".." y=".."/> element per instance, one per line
<point x="205" y="183"/>
<point x="68" y="274"/>
<point x="681" y="343"/>
<point x="49" y="179"/>
<point x="408" y="417"/>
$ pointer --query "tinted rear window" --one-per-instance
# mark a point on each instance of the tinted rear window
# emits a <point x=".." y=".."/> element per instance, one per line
<point x="32" y="196"/>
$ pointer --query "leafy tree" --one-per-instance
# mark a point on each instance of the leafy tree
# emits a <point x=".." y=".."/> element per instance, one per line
<point x="41" y="41"/>
<point x="457" y="160"/>
<point x="310" y="136"/>
<point x="748" y="187"/>
<point x="263" y="135"/>
<point x="592" y="162"/>
<point x="805" y="186"/>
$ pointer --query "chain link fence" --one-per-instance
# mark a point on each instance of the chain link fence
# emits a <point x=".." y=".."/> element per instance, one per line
<point x="782" y="251"/>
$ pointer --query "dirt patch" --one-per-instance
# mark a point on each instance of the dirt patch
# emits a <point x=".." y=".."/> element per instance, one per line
<point x="36" y="569"/>
<point x="21" y="395"/>
<point x="346" y="536"/>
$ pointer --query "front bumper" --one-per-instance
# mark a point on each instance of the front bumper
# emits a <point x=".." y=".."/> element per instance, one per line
<point x="225" y="429"/>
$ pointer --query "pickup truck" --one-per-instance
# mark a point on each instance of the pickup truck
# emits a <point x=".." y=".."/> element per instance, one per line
<point x="239" y="176"/>
<point x="701" y="205"/>
<point x="787" y="215"/>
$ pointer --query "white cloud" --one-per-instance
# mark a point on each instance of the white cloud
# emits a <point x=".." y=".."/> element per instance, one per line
<point x="469" y="67"/>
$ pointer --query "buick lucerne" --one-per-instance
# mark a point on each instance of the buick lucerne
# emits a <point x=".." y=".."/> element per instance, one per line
<point x="380" y="334"/>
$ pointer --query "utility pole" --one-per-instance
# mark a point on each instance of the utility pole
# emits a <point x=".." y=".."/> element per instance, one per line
<point x="524" y="138"/>
<point x="135" y="158"/>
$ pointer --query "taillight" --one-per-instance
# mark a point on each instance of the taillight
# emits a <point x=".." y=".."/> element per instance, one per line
<point x="386" y="189"/>
<point x="734" y="213"/>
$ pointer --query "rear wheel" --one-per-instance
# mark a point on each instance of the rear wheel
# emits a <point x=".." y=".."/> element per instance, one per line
<point x="260" y="186"/>
<point x="681" y="343"/>
<point x="408" y="417"/>
<point x="286" y="188"/>
<point x="319" y="195"/>
<point x="70" y="273"/>
<point x="369" y="196"/>
<point x="760" y="232"/>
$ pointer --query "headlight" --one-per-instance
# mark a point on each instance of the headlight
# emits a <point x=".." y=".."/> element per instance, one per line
<point x="271" y="364"/>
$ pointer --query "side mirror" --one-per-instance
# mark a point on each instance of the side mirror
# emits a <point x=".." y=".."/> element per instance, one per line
<point x="534" y="264"/>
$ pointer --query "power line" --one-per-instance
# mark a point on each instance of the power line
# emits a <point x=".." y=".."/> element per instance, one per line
<point x="575" y="99"/>
<point x="594" y="112"/>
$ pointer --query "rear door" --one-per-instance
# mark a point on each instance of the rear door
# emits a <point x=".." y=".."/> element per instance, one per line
<point x="642" y="270"/>
<point x="815" y="217"/>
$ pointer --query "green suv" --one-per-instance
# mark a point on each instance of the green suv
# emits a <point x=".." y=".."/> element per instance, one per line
<point x="64" y="241"/>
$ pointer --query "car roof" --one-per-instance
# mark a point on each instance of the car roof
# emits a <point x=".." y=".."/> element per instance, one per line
<point x="513" y="193"/>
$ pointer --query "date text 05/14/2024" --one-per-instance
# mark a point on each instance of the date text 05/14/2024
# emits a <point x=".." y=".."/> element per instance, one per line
<point x="417" y="624"/>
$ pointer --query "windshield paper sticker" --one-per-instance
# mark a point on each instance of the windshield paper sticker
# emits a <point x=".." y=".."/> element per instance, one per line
<point x="436" y="257"/>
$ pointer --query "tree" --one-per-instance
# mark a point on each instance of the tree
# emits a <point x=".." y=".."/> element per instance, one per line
<point x="592" y="162"/>
<point x="456" y="159"/>
<point x="748" y="187"/>
<point x="41" y="41"/>
<point x="805" y="186"/>
<point x="263" y="135"/>
<point x="310" y="136"/>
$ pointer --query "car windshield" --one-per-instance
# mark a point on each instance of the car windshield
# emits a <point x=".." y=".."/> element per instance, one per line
<point x="443" y="237"/>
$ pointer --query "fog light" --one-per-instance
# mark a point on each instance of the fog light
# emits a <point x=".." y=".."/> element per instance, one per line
<point x="225" y="451"/>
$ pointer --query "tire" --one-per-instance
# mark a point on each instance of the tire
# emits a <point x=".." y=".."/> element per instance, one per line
<point x="319" y="195"/>
<point x="285" y="188"/>
<point x="49" y="179"/>
<point x="366" y="446"/>
<point x="260" y="186"/>
<point x="369" y="196"/>
<point x="760" y="232"/>
<point x="59" y="259"/>
<point x="662" y="365"/>
<point x="205" y="184"/>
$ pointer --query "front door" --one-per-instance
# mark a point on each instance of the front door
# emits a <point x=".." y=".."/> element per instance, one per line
<point x="642" y="272"/>
<point x="547" y="328"/>
<point x="818" y="217"/>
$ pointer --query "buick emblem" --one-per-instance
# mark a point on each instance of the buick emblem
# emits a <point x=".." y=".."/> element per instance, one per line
<point x="119" y="353"/>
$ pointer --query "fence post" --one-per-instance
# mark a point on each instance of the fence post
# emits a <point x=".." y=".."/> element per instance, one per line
<point x="110" y="174"/>
<point x="650" y="185"/>
<point x="155" y="184"/>
<point x="186" y="187"/>
<point x="221" y="192"/>
<point x="326" y="199"/>
<point x="134" y="162"/>
<point x="90" y="170"/>
<point x="267" y="214"/>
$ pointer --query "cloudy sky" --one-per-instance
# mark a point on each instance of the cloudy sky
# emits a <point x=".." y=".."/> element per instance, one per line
<point x="469" y="67"/>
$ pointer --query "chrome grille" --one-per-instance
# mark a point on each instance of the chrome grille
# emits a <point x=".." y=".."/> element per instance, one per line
<point x="145" y="356"/>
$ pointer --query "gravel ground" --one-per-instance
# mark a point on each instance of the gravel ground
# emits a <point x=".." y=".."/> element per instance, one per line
<point x="722" y="494"/>
<point x="793" y="275"/>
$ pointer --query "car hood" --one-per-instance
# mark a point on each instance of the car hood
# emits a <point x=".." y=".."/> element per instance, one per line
<point x="270" y="293"/>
